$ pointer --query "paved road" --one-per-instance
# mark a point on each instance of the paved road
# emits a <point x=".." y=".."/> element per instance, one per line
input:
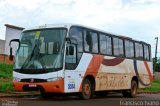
<point x="110" y="100"/>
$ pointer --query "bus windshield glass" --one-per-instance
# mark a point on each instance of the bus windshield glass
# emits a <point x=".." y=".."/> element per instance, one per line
<point x="41" y="49"/>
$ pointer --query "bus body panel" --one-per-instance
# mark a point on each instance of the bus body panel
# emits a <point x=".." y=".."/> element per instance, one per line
<point x="119" y="76"/>
<point x="74" y="78"/>
<point x="110" y="73"/>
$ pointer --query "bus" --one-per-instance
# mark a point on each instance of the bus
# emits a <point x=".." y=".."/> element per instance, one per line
<point x="75" y="59"/>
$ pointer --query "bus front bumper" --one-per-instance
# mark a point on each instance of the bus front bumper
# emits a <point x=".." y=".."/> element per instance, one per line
<point x="52" y="87"/>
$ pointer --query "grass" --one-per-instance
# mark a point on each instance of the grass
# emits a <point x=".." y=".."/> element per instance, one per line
<point x="6" y="71"/>
<point x="154" y="88"/>
<point x="6" y="86"/>
<point x="6" y="77"/>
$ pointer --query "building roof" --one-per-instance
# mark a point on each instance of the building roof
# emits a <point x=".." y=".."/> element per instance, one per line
<point x="14" y="27"/>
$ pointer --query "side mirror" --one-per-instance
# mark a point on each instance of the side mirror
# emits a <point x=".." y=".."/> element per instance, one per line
<point x="11" y="54"/>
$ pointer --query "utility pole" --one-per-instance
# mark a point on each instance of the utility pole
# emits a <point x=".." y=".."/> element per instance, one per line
<point x="155" y="61"/>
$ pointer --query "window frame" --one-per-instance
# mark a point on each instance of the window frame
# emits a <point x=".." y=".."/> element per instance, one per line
<point x="112" y="44"/>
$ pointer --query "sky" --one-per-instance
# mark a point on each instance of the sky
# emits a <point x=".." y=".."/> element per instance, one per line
<point x="138" y="19"/>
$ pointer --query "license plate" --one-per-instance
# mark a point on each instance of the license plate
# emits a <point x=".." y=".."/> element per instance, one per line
<point x="32" y="85"/>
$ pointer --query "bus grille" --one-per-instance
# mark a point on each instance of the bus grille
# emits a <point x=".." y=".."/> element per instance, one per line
<point x="33" y="80"/>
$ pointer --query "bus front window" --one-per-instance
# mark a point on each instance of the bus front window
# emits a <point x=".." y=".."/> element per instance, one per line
<point x="41" y="49"/>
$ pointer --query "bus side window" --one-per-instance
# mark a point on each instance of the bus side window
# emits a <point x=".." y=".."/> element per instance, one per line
<point x="105" y="43"/>
<point x="118" y="47"/>
<point x="139" y="51"/>
<point x="129" y="49"/>
<point x="146" y="52"/>
<point x="76" y="33"/>
<point x="89" y="40"/>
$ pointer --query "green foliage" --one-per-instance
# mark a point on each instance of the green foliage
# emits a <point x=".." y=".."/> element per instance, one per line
<point x="6" y="86"/>
<point x="154" y="88"/>
<point x="158" y="67"/>
<point x="6" y="70"/>
<point x="6" y="77"/>
<point x="157" y="64"/>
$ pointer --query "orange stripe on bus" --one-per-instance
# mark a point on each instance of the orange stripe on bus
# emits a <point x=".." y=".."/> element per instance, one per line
<point x="93" y="67"/>
<point x="149" y="72"/>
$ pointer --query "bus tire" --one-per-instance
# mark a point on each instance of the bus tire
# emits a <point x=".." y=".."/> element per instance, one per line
<point x="132" y="92"/>
<point x="87" y="90"/>
<point x="134" y="87"/>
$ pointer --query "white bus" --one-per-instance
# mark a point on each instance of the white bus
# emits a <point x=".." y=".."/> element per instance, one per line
<point x="69" y="58"/>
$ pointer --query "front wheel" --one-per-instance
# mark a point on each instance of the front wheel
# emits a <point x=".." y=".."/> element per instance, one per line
<point x="87" y="90"/>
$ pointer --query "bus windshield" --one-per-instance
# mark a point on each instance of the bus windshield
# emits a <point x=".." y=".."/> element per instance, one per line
<point x="41" y="49"/>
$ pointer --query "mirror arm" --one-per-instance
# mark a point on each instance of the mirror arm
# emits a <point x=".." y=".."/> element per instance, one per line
<point x="72" y="39"/>
<point x="13" y="40"/>
<point x="68" y="40"/>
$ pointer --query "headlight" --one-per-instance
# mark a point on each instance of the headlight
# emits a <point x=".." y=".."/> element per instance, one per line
<point x="16" y="79"/>
<point x="53" y="79"/>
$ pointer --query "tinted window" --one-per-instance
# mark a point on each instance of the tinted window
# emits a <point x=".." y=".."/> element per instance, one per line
<point x="105" y="44"/>
<point x="146" y="52"/>
<point x="129" y="49"/>
<point x="132" y="49"/>
<point x="95" y="42"/>
<point x="91" y="41"/>
<point x="121" y="50"/>
<point x="76" y="33"/>
<point x="118" y="47"/>
<point x="139" y="50"/>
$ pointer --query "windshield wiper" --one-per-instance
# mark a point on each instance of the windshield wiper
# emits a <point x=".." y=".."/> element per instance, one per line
<point x="29" y="58"/>
<point x="32" y="54"/>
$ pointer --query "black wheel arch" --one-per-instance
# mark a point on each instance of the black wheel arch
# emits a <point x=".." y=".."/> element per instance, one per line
<point x="92" y="80"/>
<point x="135" y="78"/>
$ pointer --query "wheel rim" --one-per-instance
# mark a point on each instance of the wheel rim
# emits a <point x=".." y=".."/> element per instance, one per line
<point x="87" y="89"/>
<point x="134" y="89"/>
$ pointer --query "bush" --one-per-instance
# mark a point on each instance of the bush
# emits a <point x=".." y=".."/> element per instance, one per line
<point x="6" y="70"/>
<point x="158" y="67"/>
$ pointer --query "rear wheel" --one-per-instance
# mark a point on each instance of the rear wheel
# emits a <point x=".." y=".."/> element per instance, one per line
<point x="132" y="92"/>
<point x="134" y="87"/>
<point x="87" y="90"/>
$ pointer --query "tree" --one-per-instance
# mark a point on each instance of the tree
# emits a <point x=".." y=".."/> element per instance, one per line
<point x="157" y="64"/>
